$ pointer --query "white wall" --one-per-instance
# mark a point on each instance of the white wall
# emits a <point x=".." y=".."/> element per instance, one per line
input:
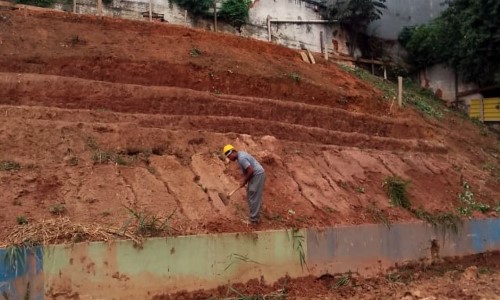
<point x="441" y="80"/>
<point x="290" y="35"/>
<point x="129" y="9"/>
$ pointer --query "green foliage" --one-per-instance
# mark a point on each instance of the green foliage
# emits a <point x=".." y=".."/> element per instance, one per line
<point x="15" y="257"/>
<point x="354" y="16"/>
<point x="235" y="11"/>
<point x="444" y="220"/>
<point x="414" y="95"/>
<point x="100" y="156"/>
<point x="8" y="165"/>
<point x="21" y="220"/>
<point x="57" y="209"/>
<point x="235" y="257"/>
<point x="73" y="161"/>
<point x="294" y="76"/>
<point x="297" y="244"/>
<point x="148" y="225"/>
<point x="465" y="37"/>
<point x="196" y="7"/>
<point x="379" y="216"/>
<point x="468" y="203"/>
<point x="403" y="275"/>
<point x="423" y="100"/>
<point x="195" y="52"/>
<point x="40" y="3"/>
<point x="355" y="12"/>
<point x="343" y="280"/>
<point x="396" y="190"/>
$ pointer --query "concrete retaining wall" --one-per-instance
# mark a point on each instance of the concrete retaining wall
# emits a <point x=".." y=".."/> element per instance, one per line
<point x="290" y="35"/>
<point x="119" y="270"/>
<point x="441" y="80"/>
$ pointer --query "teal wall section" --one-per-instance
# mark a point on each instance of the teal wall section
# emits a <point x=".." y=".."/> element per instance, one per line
<point x="164" y="265"/>
<point x="120" y="270"/>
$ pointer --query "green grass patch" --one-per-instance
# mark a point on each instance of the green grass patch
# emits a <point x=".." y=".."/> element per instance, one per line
<point x="294" y="76"/>
<point x="378" y="216"/>
<point x="57" y="209"/>
<point x="447" y="221"/>
<point x="9" y="165"/>
<point x="468" y="204"/>
<point x="396" y="190"/>
<point x="21" y="220"/>
<point x="195" y="52"/>
<point x="343" y="280"/>
<point x="148" y="225"/>
<point x="421" y="99"/>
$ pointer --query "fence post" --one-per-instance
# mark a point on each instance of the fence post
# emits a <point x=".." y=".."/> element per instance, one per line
<point x="99" y="8"/>
<point x="481" y="110"/>
<point x="269" y="29"/>
<point x="74" y="6"/>
<point x="150" y="12"/>
<point x="215" y="15"/>
<point x="321" y="42"/>
<point x="385" y="72"/>
<point x="400" y="91"/>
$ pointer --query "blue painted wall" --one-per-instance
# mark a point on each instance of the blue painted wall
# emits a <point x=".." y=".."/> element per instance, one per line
<point x="485" y="235"/>
<point x="21" y="273"/>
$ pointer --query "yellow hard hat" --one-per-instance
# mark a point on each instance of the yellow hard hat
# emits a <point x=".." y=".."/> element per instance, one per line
<point x="227" y="149"/>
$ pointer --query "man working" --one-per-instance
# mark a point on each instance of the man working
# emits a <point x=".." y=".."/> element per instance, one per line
<point x="254" y="175"/>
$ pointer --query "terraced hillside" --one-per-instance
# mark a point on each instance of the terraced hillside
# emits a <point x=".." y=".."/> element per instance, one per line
<point x="102" y="114"/>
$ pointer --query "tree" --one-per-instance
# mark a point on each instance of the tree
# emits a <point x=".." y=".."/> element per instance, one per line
<point x="235" y="11"/>
<point x="354" y="16"/>
<point x="465" y="37"/>
<point x="196" y="7"/>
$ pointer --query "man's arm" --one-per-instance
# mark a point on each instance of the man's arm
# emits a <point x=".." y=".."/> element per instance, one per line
<point x="248" y="176"/>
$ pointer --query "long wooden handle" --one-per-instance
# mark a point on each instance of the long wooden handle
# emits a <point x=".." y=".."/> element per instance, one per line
<point x="234" y="191"/>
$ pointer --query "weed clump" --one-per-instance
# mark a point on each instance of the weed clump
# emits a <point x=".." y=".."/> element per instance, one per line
<point x="195" y="52"/>
<point x="57" y="209"/>
<point x="468" y="203"/>
<point x="396" y="190"/>
<point x="294" y="76"/>
<point x="21" y="220"/>
<point x="8" y="165"/>
<point x="148" y="225"/>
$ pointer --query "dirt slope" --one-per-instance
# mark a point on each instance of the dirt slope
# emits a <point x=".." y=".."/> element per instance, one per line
<point x="103" y="114"/>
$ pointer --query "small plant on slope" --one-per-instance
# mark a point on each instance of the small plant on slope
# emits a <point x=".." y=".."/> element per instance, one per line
<point x="9" y="166"/>
<point x="148" y="225"/>
<point x="468" y="202"/>
<point x="396" y="190"/>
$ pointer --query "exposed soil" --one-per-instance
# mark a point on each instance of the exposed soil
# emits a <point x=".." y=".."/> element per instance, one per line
<point x="472" y="277"/>
<point x="106" y="113"/>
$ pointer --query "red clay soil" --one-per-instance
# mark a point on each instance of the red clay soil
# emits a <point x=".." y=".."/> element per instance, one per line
<point x="106" y="113"/>
<point x="470" y="277"/>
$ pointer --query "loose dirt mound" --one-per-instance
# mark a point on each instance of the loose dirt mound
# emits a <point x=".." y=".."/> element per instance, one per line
<point x="471" y="277"/>
<point x="102" y="114"/>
